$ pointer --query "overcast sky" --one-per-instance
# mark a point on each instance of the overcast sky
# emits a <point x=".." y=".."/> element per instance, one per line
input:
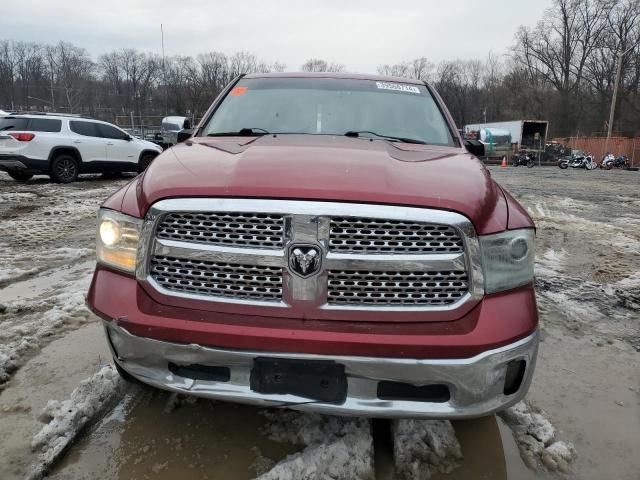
<point x="361" y="34"/>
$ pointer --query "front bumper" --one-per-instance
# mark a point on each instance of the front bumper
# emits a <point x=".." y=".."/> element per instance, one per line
<point x="476" y="384"/>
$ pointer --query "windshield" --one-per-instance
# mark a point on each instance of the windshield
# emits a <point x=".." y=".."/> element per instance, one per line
<point x="170" y="127"/>
<point x="329" y="106"/>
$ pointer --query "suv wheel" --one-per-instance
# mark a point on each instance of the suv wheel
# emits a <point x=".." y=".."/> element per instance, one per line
<point x="64" y="169"/>
<point x="20" y="176"/>
<point x="145" y="161"/>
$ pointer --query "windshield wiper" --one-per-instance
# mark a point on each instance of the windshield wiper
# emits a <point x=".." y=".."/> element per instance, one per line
<point x="356" y="134"/>
<point x="243" y="132"/>
<point x="8" y="127"/>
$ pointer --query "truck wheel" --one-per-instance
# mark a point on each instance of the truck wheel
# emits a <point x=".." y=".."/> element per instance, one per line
<point x="20" y="176"/>
<point x="64" y="169"/>
<point x="145" y="161"/>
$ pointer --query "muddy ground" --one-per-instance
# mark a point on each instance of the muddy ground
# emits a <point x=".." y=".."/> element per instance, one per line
<point x="587" y="380"/>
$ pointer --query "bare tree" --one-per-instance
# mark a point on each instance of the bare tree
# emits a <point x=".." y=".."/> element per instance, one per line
<point x="74" y="69"/>
<point x="8" y="73"/>
<point x="558" y="48"/>
<point x="623" y="30"/>
<point x="140" y="71"/>
<point x="320" y="65"/>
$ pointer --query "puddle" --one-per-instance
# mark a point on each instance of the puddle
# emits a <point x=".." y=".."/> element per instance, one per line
<point x="199" y="440"/>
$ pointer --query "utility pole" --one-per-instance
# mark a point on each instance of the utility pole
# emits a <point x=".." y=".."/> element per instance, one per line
<point x="53" y="97"/>
<point x="164" y="74"/>
<point x="616" y="84"/>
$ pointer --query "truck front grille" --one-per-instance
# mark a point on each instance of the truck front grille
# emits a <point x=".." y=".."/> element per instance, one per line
<point x="213" y="279"/>
<point x="310" y="256"/>
<point x="249" y="230"/>
<point x="382" y="236"/>
<point x="396" y="288"/>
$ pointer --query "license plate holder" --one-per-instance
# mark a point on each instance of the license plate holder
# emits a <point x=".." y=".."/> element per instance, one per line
<point x="319" y="380"/>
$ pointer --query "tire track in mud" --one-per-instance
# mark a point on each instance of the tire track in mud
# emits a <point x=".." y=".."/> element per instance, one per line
<point x="594" y="275"/>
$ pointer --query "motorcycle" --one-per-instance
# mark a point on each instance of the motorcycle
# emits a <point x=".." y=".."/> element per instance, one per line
<point x="523" y="159"/>
<point x="578" y="160"/>
<point x="611" y="161"/>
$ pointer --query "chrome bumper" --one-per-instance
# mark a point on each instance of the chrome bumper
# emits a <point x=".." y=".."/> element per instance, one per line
<point x="476" y="384"/>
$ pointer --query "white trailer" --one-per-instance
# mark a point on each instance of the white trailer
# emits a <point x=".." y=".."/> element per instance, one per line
<point x="525" y="134"/>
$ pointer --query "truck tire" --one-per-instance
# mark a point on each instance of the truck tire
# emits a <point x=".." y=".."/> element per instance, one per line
<point x="20" y="176"/>
<point x="64" y="169"/>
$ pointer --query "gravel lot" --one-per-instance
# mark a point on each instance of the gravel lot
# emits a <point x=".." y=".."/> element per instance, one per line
<point x="68" y="414"/>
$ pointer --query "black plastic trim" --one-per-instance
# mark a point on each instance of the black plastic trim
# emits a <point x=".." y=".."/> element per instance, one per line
<point x="32" y="165"/>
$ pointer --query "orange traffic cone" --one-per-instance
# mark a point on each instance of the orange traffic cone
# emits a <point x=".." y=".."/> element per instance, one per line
<point x="504" y="162"/>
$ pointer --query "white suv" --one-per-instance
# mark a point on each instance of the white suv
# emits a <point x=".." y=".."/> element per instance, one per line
<point x="63" y="146"/>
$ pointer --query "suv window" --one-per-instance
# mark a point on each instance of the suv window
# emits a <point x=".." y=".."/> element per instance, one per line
<point x="9" y="123"/>
<point x="88" y="129"/>
<point x="107" y="131"/>
<point x="45" y="125"/>
<point x="330" y="106"/>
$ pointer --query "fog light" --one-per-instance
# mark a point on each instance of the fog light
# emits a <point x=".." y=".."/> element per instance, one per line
<point x="519" y="249"/>
<point x="514" y="376"/>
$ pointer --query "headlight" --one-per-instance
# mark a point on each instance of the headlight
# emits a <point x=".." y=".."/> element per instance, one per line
<point x="118" y="237"/>
<point x="507" y="259"/>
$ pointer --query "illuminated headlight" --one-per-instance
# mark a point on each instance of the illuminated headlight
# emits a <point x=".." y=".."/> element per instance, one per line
<point x="118" y="237"/>
<point x="507" y="259"/>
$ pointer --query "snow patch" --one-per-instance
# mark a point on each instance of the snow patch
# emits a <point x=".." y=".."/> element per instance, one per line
<point x="536" y="438"/>
<point x="66" y="419"/>
<point x="337" y="448"/>
<point x="20" y="265"/>
<point x="45" y="319"/>
<point x="347" y="458"/>
<point x="422" y="447"/>
<point x="551" y="262"/>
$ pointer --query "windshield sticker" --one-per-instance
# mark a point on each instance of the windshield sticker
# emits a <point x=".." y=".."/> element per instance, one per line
<point x="238" y="91"/>
<point x="398" y="87"/>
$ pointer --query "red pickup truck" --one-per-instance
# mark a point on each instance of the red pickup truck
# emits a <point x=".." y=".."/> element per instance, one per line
<point x="325" y="242"/>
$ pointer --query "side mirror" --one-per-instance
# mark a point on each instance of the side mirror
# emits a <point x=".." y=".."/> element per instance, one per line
<point x="474" y="147"/>
<point x="184" y="134"/>
<point x="187" y="124"/>
<point x="128" y="138"/>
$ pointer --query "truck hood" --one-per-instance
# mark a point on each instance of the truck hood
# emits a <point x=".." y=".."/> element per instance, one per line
<point x="331" y="168"/>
